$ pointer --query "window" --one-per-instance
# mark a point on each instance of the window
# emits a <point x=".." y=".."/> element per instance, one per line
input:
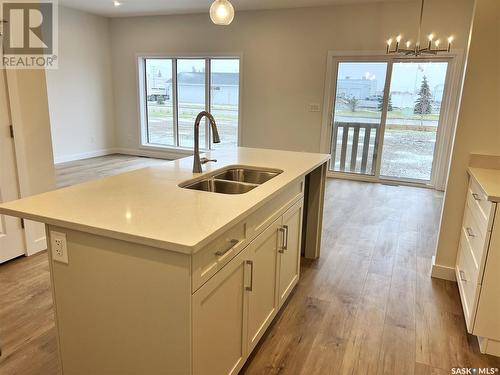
<point x="386" y="117"/>
<point x="177" y="89"/>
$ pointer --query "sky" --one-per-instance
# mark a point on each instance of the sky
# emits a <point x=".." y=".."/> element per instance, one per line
<point x="406" y="76"/>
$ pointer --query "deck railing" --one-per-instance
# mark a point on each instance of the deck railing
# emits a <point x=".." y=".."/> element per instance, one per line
<point x="350" y="146"/>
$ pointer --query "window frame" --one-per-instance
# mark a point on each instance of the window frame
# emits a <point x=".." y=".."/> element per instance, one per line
<point x="442" y="152"/>
<point x="177" y="150"/>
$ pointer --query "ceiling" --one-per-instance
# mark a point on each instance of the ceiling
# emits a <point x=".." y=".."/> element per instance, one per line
<point x="151" y="7"/>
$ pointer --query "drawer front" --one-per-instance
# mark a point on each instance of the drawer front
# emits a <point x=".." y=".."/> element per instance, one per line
<point x="470" y="265"/>
<point x="266" y="215"/>
<point x="207" y="262"/>
<point x="480" y="206"/>
<point x="467" y="283"/>
<point x="475" y="235"/>
<point x="217" y="254"/>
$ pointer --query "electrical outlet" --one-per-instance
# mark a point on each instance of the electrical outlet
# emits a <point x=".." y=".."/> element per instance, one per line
<point x="59" y="247"/>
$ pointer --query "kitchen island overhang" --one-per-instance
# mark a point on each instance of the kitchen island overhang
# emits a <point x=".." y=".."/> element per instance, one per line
<point x="162" y="279"/>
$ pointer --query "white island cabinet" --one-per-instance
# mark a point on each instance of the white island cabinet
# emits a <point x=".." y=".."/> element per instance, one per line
<point x="161" y="279"/>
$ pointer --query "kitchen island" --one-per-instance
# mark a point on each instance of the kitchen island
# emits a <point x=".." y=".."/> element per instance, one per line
<point x="151" y="276"/>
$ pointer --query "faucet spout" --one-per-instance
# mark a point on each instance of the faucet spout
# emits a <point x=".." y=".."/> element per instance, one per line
<point x="215" y="137"/>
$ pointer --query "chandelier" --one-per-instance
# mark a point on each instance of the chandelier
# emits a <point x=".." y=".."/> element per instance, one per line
<point x="431" y="48"/>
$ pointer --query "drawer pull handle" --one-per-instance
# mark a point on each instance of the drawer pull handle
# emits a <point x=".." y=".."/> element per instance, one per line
<point x="476" y="196"/>
<point x="469" y="231"/>
<point x="230" y="246"/>
<point x="462" y="276"/>
<point x="250" y="287"/>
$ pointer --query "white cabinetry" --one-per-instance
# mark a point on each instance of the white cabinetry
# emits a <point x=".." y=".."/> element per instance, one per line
<point x="220" y="320"/>
<point x="200" y="313"/>
<point x="477" y="268"/>
<point x="233" y="309"/>
<point x="263" y="304"/>
<point x="289" y="262"/>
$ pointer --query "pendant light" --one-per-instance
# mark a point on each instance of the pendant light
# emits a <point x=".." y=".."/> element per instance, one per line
<point x="221" y="12"/>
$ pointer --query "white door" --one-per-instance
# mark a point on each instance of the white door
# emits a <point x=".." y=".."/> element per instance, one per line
<point x="11" y="231"/>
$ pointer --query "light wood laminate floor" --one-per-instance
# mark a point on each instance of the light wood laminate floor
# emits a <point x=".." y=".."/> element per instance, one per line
<point x="367" y="306"/>
<point x="75" y="172"/>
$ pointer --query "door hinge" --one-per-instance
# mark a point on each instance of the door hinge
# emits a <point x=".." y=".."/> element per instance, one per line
<point x="11" y="129"/>
<point x="22" y="223"/>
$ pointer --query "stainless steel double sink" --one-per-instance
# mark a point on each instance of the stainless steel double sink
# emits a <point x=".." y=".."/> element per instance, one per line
<point x="232" y="180"/>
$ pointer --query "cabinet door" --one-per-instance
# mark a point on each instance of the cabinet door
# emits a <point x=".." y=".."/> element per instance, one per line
<point x="219" y="320"/>
<point x="262" y="294"/>
<point x="290" y="250"/>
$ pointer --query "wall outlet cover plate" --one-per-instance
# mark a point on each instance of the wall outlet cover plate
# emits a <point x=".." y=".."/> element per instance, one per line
<point x="59" y="247"/>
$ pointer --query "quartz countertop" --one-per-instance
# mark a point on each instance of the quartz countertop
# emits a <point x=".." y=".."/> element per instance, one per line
<point x="489" y="180"/>
<point x="147" y="206"/>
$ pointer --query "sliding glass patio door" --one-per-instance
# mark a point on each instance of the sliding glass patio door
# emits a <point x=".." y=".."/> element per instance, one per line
<point x="386" y="116"/>
<point x="413" y="114"/>
<point x="357" y="118"/>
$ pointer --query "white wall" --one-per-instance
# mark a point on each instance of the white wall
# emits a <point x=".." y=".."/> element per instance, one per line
<point x="80" y="91"/>
<point x="478" y="129"/>
<point x="284" y="58"/>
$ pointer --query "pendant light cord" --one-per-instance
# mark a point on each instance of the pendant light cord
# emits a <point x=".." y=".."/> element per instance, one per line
<point x="420" y="23"/>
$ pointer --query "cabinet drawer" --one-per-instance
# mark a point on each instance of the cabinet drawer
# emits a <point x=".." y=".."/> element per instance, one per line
<point x="265" y="216"/>
<point x="467" y="283"/>
<point x="218" y="253"/>
<point x="475" y="235"/>
<point x="479" y="204"/>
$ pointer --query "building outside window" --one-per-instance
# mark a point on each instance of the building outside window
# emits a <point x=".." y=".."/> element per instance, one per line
<point x="177" y="89"/>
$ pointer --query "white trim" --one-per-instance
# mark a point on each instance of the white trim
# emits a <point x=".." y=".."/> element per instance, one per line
<point x="167" y="155"/>
<point x="33" y="231"/>
<point x="373" y="179"/>
<point x="83" y="155"/>
<point x="442" y="272"/>
<point x="37" y="245"/>
<point x="448" y="120"/>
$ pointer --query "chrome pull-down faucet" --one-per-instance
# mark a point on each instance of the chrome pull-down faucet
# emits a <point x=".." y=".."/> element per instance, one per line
<point x="215" y="135"/>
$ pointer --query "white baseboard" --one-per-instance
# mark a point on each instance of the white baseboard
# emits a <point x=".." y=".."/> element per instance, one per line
<point x="83" y="155"/>
<point x="159" y="154"/>
<point x="37" y="246"/>
<point x="442" y="272"/>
